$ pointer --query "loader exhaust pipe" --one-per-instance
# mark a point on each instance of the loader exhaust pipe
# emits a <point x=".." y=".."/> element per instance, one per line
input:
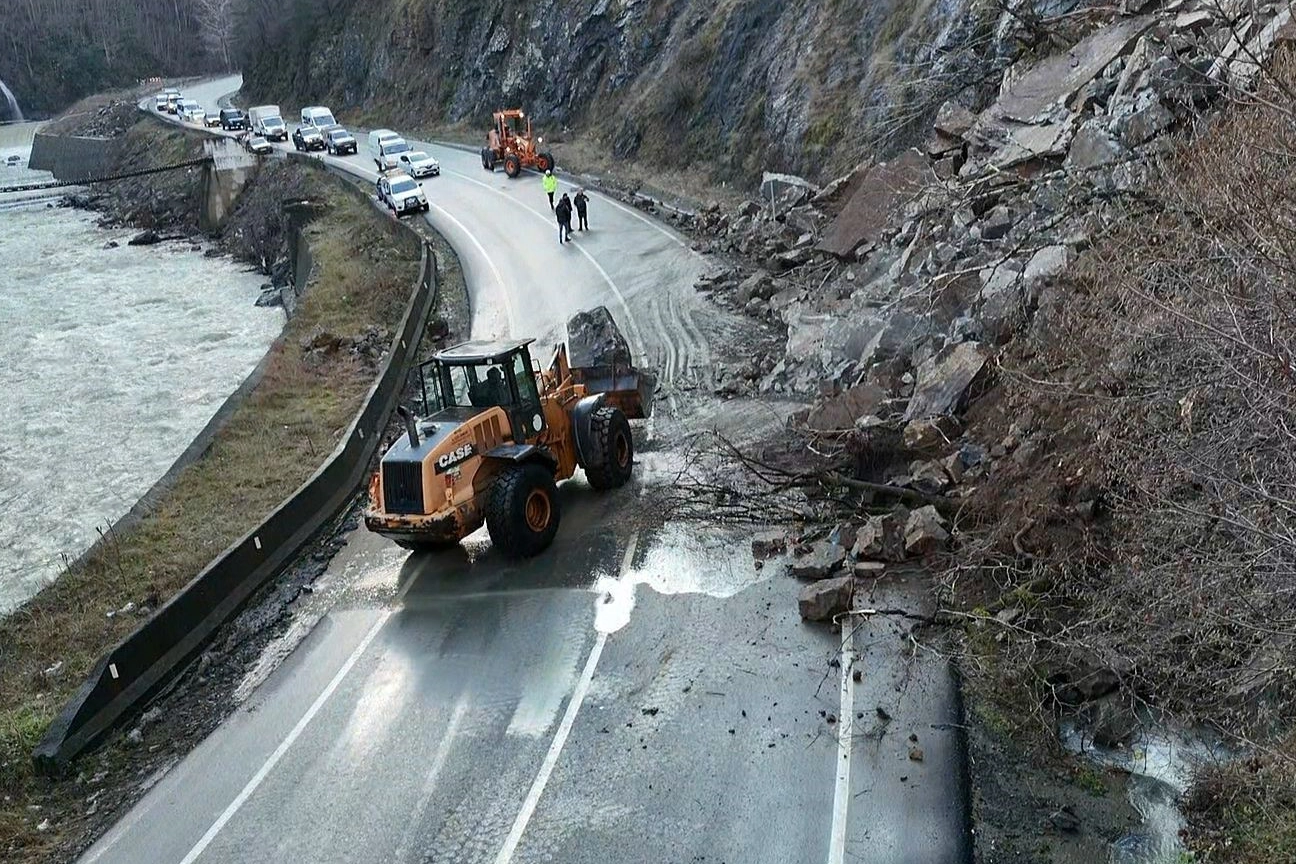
<point x="411" y="429"/>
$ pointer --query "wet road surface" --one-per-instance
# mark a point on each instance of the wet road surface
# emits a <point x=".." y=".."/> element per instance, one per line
<point x="640" y="692"/>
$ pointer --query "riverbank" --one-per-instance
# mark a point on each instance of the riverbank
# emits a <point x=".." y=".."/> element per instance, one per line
<point x="311" y="384"/>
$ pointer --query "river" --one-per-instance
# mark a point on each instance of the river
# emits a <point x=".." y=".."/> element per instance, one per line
<point x="111" y="361"/>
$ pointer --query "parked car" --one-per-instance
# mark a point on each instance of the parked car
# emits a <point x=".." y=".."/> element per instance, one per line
<point x="212" y="121"/>
<point x="258" y="145"/>
<point x="307" y="138"/>
<point x="419" y="164"/>
<point x="339" y="142"/>
<point x="173" y="100"/>
<point x="232" y="119"/>
<point x="401" y="194"/>
<point x="160" y="103"/>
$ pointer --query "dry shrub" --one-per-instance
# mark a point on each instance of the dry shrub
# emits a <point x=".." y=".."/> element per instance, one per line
<point x="1167" y="389"/>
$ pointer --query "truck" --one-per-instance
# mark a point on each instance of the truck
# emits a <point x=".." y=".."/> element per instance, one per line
<point x="317" y="116"/>
<point x="266" y="121"/>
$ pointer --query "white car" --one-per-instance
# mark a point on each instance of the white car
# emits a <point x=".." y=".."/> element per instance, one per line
<point x="190" y="111"/>
<point x="401" y="194"/>
<point x="419" y="164"/>
<point x="160" y="102"/>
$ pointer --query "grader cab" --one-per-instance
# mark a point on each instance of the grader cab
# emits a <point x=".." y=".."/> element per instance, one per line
<point x="495" y="437"/>
<point x="510" y="143"/>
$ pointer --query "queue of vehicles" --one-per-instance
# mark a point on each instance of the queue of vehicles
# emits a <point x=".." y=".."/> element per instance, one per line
<point x="399" y="165"/>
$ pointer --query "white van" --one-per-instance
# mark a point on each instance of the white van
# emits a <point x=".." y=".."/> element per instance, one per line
<point x="379" y="140"/>
<point x="317" y="116"/>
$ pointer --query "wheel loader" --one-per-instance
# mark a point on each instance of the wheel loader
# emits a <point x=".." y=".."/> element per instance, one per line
<point x="510" y="143"/>
<point x="494" y="438"/>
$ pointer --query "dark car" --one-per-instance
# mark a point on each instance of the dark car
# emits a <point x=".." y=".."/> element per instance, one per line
<point x="258" y="145"/>
<point x="232" y="119"/>
<point x="308" y="138"/>
<point x="339" y="142"/>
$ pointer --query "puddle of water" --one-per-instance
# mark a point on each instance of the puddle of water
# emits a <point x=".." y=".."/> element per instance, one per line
<point x="681" y="560"/>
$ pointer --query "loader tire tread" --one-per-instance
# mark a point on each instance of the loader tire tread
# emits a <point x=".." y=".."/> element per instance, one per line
<point x="611" y="458"/>
<point x="512" y="533"/>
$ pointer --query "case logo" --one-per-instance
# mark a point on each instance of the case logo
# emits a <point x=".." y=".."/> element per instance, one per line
<point x="447" y="461"/>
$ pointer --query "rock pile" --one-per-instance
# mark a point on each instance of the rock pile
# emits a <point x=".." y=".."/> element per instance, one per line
<point x="908" y="275"/>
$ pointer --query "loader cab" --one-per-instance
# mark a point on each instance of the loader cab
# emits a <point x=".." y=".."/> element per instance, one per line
<point x="481" y="375"/>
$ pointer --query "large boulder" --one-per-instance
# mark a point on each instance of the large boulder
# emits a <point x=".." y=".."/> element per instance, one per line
<point x="820" y="601"/>
<point x="944" y="379"/>
<point x="593" y="339"/>
<point x="782" y="192"/>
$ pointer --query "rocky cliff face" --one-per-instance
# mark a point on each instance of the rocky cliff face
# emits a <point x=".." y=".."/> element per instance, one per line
<point x="738" y="86"/>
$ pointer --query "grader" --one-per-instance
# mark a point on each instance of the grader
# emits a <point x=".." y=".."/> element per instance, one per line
<point x="495" y="437"/>
<point x="510" y="142"/>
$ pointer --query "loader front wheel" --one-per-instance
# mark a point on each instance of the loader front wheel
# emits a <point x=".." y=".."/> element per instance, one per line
<point x="512" y="165"/>
<point x="611" y="457"/>
<point x="522" y="512"/>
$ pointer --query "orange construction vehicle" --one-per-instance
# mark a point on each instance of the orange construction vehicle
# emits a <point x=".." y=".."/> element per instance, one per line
<point x="510" y="143"/>
<point x="494" y="438"/>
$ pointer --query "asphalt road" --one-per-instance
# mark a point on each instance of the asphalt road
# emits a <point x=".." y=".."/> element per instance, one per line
<point x="640" y="692"/>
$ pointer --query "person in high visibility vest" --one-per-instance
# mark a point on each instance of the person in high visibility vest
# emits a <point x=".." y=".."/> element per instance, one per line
<point x="550" y="186"/>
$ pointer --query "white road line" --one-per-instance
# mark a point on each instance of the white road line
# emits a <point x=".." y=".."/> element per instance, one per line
<point x="560" y="737"/>
<point x="434" y="773"/>
<point x="294" y="734"/>
<point x="499" y="279"/>
<point x="845" y="731"/>
<point x="638" y="337"/>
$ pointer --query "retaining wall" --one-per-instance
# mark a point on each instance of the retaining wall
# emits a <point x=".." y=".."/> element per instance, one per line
<point x="69" y="157"/>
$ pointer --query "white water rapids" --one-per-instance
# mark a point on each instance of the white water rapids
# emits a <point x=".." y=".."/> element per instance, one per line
<point x="111" y="361"/>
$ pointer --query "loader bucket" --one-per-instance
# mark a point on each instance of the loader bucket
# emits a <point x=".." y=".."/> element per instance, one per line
<point x="625" y="387"/>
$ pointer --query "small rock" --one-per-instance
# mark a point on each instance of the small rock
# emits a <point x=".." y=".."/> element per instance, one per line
<point x="819" y="563"/>
<point x="925" y="531"/>
<point x="44" y="825"/>
<point x="953" y="120"/>
<point x="111" y="244"/>
<point x="820" y="601"/>
<point x="915" y="754"/>
<point x="868" y="569"/>
<point x="144" y="238"/>
<point x="931" y="434"/>
<point x="134" y="736"/>
<point x="929" y="477"/>
<point x="997" y="223"/>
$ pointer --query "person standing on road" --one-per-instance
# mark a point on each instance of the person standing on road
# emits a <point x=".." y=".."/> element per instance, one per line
<point x="550" y="186"/>
<point x="563" y="211"/>
<point x="582" y="205"/>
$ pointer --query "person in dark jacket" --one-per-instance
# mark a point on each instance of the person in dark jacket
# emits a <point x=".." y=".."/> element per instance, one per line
<point x="582" y="205"/>
<point x="563" y="210"/>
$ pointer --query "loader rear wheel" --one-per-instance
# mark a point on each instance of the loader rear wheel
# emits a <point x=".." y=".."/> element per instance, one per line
<point x="512" y="165"/>
<point x="611" y="457"/>
<point x="545" y="162"/>
<point x="522" y="512"/>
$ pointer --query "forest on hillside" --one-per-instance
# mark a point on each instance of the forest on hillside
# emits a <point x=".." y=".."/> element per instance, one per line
<point x="53" y="52"/>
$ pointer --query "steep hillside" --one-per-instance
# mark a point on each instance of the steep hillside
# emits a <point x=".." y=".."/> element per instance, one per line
<point x="740" y="85"/>
<point x="53" y="53"/>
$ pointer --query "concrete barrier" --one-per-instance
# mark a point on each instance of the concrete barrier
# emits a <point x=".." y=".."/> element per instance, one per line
<point x="69" y="157"/>
<point x="163" y="646"/>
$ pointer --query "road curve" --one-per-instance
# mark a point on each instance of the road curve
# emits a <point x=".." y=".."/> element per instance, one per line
<point x="640" y="692"/>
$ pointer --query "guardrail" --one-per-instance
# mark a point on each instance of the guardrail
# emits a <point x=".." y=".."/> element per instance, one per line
<point x="160" y="649"/>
